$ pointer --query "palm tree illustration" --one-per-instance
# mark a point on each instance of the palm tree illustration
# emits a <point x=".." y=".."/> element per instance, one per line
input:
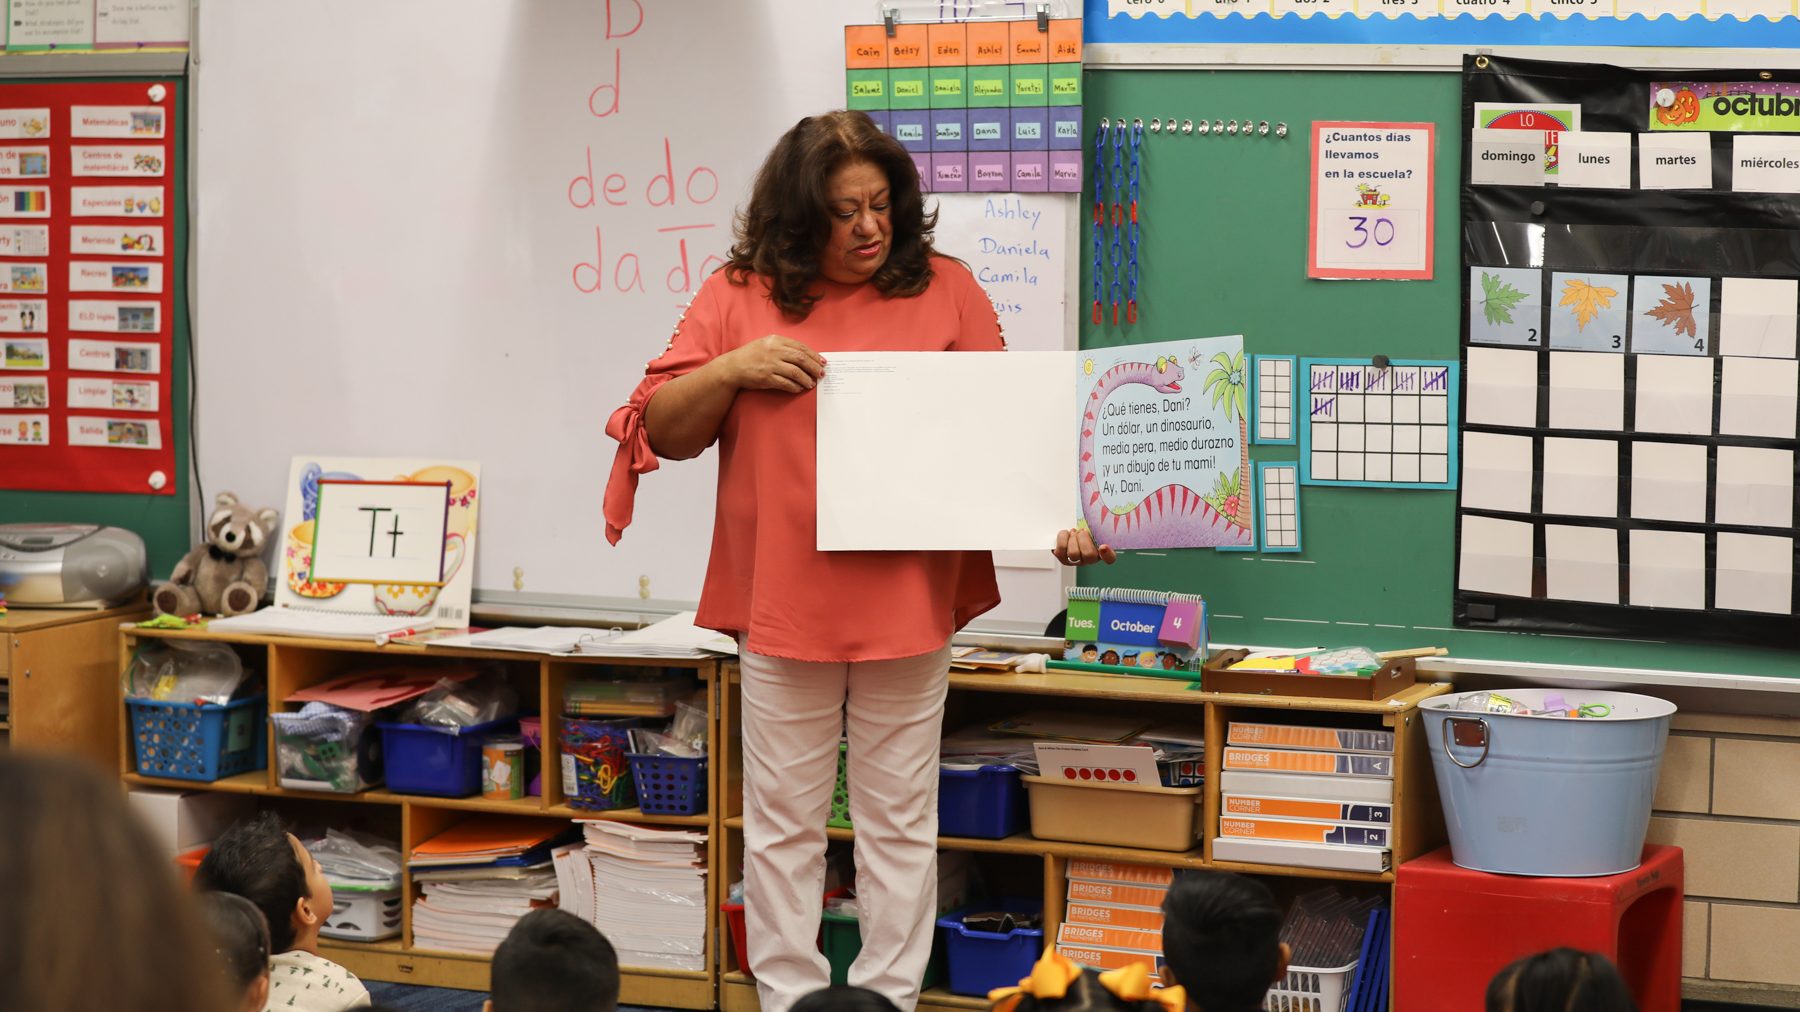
<point x="1229" y="383"/>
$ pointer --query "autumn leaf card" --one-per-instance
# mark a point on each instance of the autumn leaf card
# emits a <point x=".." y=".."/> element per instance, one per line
<point x="1588" y="311"/>
<point x="1672" y="316"/>
<point x="1506" y="306"/>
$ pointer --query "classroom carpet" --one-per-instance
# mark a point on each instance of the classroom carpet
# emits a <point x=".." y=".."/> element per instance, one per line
<point x="407" y="998"/>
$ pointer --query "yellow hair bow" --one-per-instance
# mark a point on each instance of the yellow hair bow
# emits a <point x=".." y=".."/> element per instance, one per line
<point x="1050" y="978"/>
<point x="1053" y="974"/>
<point x="1132" y="983"/>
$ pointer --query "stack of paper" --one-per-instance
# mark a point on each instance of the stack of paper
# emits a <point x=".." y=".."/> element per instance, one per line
<point x="280" y="621"/>
<point x="549" y="639"/>
<point x="676" y="636"/>
<point x="475" y="916"/>
<point x="488" y="839"/>
<point x="645" y="889"/>
<point x="479" y="877"/>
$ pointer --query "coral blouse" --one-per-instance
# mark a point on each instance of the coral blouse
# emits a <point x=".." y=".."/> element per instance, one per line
<point x="765" y="581"/>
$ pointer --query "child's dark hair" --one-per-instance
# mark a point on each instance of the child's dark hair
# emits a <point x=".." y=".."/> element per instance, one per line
<point x="241" y="934"/>
<point x="255" y="860"/>
<point x="1085" y="994"/>
<point x="841" y="998"/>
<point x="1222" y="939"/>
<point x="553" y="961"/>
<point x="1559" y="980"/>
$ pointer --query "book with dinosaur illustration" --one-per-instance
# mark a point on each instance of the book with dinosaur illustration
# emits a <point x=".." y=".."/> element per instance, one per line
<point x="1164" y="454"/>
<point x="1135" y="628"/>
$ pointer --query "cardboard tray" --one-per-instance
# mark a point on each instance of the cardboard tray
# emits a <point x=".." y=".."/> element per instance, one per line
<point x="1394" y="677"/>
<point x="1115" y="815"/>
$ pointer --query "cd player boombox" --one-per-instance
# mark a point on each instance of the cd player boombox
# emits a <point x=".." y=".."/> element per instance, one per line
<point x="70" y="565"/>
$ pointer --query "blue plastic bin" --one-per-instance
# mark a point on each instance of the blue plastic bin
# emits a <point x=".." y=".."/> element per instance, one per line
<point x="422" y="759"/>
<point x="669" y="785"/>
<point x="981" y="961"/>
<point x="204" y="742"/>
<point x="986" y="803"/>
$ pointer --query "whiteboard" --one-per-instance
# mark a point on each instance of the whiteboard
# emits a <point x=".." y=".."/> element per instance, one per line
<point x="428" y="229"/>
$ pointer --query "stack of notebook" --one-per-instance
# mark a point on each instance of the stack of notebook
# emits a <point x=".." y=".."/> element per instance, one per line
<point x="645" y="889"/>
<point x="1317" y="797"/>
<point x="479" y="877"/>
<point x="1114" y="917"/>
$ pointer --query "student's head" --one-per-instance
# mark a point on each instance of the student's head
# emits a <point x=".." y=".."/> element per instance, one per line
<point x="91" y="911"/>
<point x="553" y="961"/>
<point x="1557" y="980"/>
<point x="1222" y="940"/>
<point x="1057" y="984"/>
<point x="240" y="933"/>
<point x="265" y="864"/>
<point x="844" y="999"/>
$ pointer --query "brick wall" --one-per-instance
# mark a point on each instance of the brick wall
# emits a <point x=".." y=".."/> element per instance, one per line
<point x="1729" y="796"/>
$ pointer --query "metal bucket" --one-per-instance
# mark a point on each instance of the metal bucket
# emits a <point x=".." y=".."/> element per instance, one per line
<point x="1548" y="796"/>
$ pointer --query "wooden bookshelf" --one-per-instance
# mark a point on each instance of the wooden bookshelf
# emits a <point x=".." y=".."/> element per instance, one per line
<point x="291" y="664"/>
<point x="978" y="697"/>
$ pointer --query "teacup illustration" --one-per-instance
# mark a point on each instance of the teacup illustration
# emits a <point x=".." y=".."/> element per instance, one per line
<point x="418" y="598"/>
<point x="462" y="492"/>
<point x="299" y="565"/>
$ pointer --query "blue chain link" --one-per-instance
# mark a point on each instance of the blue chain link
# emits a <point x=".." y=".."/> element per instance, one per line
<point x="1131" y="277"/>
<point x="1099" y="219"/>
<point x="1118" y="217"/>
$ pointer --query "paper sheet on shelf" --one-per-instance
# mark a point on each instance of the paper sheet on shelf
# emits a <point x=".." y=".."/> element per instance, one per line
<point x="945" y="450"/>
<point x="674" y="637"/>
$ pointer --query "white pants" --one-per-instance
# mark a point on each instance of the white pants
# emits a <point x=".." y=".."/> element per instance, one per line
<point x="793" y="712"/>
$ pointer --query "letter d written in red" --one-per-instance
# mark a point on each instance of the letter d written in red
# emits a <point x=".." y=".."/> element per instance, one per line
<point x="594" y="97"/>
<point x="593" y="271"/>
<point x="613" y="30"/>
<point x="583" y="183"/>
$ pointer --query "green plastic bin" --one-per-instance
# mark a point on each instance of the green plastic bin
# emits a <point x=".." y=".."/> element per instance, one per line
<point x="841" y="939"/>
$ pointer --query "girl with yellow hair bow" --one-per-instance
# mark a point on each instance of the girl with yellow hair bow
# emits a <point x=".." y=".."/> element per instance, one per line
<point x="1058" y="985"/>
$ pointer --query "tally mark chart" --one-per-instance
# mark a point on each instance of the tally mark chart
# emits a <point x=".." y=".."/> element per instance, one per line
<point x="1385" y="424"/>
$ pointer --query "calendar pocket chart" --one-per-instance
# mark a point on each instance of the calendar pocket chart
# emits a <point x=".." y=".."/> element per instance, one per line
<point x="1631" y="370"/>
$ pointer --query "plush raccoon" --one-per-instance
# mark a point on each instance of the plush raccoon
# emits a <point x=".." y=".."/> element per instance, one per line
<point x="225" y="574"/>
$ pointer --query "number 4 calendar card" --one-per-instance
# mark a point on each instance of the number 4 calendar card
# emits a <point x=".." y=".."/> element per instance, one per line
<point x="1372" y="203"/>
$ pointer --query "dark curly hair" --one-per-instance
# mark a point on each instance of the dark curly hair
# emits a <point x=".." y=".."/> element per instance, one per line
<point x="255" y="860"/>
<point x="783" y="231"/>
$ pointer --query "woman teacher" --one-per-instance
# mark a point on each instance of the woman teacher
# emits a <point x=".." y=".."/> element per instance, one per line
<point x="833" y="253"/>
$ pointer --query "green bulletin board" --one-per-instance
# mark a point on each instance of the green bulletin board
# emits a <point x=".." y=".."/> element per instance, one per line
<point x="1223" y="251"/>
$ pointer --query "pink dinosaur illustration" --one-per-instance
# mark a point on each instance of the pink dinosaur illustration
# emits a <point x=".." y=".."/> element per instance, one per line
<point x="1172" y="516"/>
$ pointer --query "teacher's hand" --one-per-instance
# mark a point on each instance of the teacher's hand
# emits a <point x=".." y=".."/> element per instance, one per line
<point x="1075" y="547"/>
<point x="776" y="363"/>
